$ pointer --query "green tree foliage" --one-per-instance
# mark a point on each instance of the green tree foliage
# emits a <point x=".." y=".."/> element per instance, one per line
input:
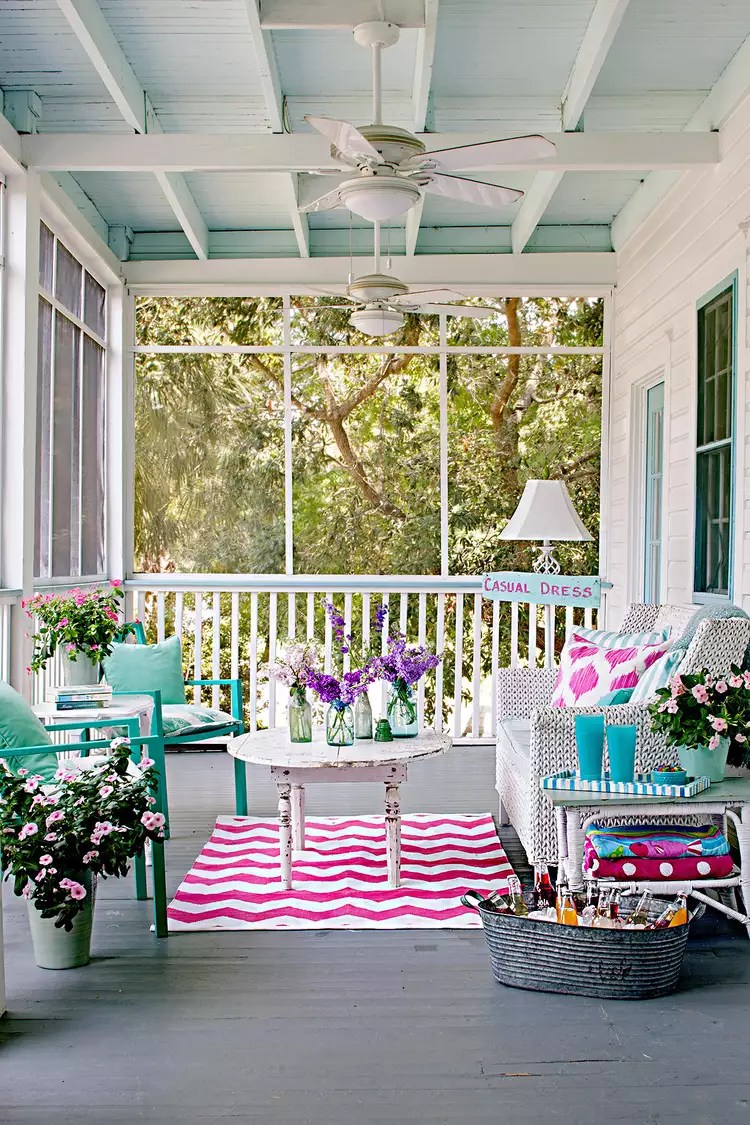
<point x="365" y="438"/>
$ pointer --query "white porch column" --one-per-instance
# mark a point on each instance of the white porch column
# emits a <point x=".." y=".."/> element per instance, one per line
<point x="120" y="432"/>
<point x="19" y="408"/>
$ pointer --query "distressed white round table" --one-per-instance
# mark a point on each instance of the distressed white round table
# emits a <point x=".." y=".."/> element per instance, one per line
<point x="295" y="765"/>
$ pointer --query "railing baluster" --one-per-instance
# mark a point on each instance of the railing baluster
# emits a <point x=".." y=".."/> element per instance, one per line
<point x="216" y="651"/>
<point x="328" y="637"/>
<point x="568" y="620"/>
<point x="310" y="616"/>
<point x="178" y="610"/>
<point x="532" y="635"/>
<point x="140" y="604"/>
<point x="347" y="629"/>
<point x="476" y="683"/>
<point x="291" y="626"/>
<point x="588" y="618"/>
<point x="421" y="639"/>
<point x="495" y="662"/>
<point x="440" y="647"/>
<point x="160" y="616"/>
<point x="549" y="636"/>
<point x="458" y="668"/>
<point x="366" y="624"/>
<point x="254" y="660"/>
<point x="514" y="634"/>
<point x="273" y="609"/>
<point x="385" y="601"/>
<point x="198" y="647"/>
<point x="234" y="643"/>
<point x="403" y="616"/>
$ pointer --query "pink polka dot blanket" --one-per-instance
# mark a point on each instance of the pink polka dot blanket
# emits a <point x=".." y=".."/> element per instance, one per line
<point x="681" y="867"/>
<point x="656" y="841"/>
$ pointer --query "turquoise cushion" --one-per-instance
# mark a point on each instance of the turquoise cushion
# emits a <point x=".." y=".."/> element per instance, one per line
<point x="147" y="668"/>
<point x="619" y="695"/>
<point x="19" y="726"/>
<point x="658" y="674"/>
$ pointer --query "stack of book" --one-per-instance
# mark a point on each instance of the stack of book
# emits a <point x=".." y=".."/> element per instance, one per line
<point x="75" y="697"/>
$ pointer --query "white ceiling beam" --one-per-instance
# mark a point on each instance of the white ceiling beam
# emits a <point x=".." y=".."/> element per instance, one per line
<point x="569" y="274"/>
<point x="426" y="39"/>
<point x="731" y="88"/>
<point x="10" y="148"/>
<point x="285" y="14"/>
<point x="268" y="68"/>
<point x="300" y="152"/>
<point x="105" y="53"/>
<point x="78" y="232"/>
<point x="597" y="40"/>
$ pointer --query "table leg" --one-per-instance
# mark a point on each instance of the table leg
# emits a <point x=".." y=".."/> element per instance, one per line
<point x="393" y="833"/>
<point x="285" y="834"/>
<point x="742" y="825"/>
<point x="298" y="817"/>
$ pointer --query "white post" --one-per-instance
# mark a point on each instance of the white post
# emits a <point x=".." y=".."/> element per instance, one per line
<point x="120" y="430"/>
<point x="19" y="409"/>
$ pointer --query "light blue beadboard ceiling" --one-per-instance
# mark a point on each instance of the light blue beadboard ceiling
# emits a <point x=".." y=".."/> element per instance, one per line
<point x="500" y="69"/>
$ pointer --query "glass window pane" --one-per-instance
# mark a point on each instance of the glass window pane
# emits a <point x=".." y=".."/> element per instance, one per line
<point x="209" y="463"/>
<point x="366" y="464"/>
<point x="65" y="449"/>
<point x="46" y="257"/>
<point x="92" y="459"/>
<point x="94" y="298"/>
<point x="68" y="277"/>
<point x="209" y="320"/>
<point x="43" y="442"/>
<point x="555" y="321"/>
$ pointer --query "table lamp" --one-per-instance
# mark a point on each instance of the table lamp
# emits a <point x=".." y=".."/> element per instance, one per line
<point x="546" y="512"/>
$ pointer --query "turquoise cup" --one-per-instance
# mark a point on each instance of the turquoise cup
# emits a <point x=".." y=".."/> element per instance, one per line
<point x="590" y="744"/>
<point x="621" y="748"/>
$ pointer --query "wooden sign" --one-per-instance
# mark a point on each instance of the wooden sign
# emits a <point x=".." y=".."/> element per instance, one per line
<point x="543" y="589"/>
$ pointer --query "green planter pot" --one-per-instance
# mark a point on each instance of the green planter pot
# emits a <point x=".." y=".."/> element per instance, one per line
<point x="699" y="761"/>
<point x="56" y="948"/>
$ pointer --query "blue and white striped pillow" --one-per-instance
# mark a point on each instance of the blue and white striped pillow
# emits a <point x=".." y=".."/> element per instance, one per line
<point x="657" y="675"/>
<point x="608" y="640"/>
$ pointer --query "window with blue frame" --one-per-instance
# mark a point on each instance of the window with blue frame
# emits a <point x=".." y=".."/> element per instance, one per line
<point x="654" y="477"/>
<point x="713" y="512"/>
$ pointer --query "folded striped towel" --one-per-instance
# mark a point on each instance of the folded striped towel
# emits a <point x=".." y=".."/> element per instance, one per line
<point x="656" y="841"/>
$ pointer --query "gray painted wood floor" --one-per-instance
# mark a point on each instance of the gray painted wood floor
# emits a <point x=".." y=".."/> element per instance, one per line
<point x="325" y="1028"/>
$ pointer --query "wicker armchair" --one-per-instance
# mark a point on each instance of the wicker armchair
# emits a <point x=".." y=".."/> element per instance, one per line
<point x="535" y="739"/>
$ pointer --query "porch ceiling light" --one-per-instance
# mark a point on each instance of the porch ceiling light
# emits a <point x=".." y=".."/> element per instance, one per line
<point x="546" y="512"/>
<point x="378" y="198"/>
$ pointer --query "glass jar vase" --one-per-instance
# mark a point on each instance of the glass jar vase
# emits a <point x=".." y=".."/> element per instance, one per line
<point x="402" y="710"/>
<point x="339" y="724"/>
<point x="299" y="716"/>
<point x="362" y="717"/>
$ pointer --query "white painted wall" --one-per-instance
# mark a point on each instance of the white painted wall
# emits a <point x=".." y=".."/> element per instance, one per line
<point x="692" y="241"/>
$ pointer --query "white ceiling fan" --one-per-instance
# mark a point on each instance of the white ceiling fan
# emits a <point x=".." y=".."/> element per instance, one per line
<point x="393" y="166"/>
<point x="384" y="300"/>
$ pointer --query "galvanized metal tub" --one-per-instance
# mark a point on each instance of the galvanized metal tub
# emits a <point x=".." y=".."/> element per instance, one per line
<point x="580" y="960"/>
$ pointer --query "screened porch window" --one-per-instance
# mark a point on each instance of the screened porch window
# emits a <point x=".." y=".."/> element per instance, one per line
<point x="69" y="525"/>
<point x="654" y="479"/>
<point x="713" y="514"/>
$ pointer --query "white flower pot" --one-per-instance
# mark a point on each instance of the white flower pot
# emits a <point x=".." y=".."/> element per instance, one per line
<point x="56" y="948"/>
<point x="82" y="670"/>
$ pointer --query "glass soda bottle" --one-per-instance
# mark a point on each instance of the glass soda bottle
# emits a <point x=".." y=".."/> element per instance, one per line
<point x="673" y="915"/>
<point x="497" y="902"/>
<point x="589" y="911"/>
<point x="544" y="892"/>
<point x="515" y="898"/>
<point x="568" y="913"/>
<point x="638" y="916"/>
<point x="602" y="920"/>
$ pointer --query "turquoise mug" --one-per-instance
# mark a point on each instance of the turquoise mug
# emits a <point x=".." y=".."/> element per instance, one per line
<point x="590" y="745"/>
<point x="621" y="749"/>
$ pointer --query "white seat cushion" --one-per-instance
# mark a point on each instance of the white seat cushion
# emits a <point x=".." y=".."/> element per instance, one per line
<point x="183" y="718"/>
<point x="514" y="741"/>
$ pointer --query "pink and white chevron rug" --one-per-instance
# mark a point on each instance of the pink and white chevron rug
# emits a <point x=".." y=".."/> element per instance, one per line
<point x="340" y="880"/>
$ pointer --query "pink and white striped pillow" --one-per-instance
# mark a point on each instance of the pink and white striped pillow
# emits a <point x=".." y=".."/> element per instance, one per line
<point x="588" y="671"/>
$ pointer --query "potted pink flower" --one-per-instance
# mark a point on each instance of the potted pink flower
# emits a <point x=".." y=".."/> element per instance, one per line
<point x="81" y="624"/>
<point x="56" y="839"/>
<point x="706" y="719"/>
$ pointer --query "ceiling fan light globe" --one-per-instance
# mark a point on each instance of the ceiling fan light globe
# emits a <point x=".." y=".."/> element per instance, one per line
<point x="376" y="322"/>
<point x="378" y="198"/>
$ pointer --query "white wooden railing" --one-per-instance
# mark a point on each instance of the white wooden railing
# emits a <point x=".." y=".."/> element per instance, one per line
<point x="231" y="624"/>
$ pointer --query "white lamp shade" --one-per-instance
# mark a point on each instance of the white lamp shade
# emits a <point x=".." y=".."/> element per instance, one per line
<point x="545" y="511"/>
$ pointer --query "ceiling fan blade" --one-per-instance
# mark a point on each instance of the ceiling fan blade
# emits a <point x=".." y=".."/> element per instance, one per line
<point x="325" y="202"/>
<point x="345" y="137"/>
<point x="474" y="311"/>
<point x="427" y="296"/>
<point x="487" y="154"/>
<point x="471" y="191"/>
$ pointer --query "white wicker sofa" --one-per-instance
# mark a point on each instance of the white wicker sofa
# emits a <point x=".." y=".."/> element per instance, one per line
<point x="535" y="739"/>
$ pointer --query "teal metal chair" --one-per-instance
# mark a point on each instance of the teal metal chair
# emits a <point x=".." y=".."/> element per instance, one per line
<point x="158" y="869"/>
<point x="166" y="727"/>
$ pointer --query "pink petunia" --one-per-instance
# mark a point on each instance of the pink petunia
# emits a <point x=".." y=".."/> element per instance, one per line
<point x="31" y="786"/>
<point x="55" y="817"/>
<point x="735" y="681"/>
<point x="672" y="707"/>
<point x="713" y="742"/>
<point x="719" y="724"/>
<point x="40" y="875"/>
<point x="51" y="837"/>
<point x="29" y="829"/>
<point x="90" y="855"/>
<point x="45" y="860"/>
<point x="739" y="737"/>
<point x="147" y="763"/>
<point x="77" y="891"/>
<point x="116" y="582"/>
<point x="722" y="686"/>
<point x="700" y="693"/>
<point x="105" y="791"/>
